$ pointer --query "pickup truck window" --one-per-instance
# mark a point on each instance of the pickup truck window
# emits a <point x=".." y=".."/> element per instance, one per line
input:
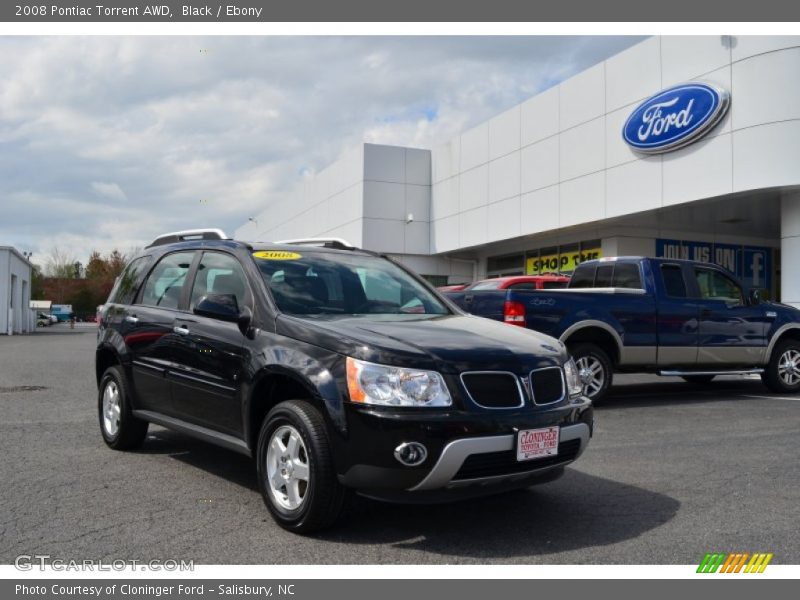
<point x="626" y="275"/>
<point x="714" y="285"/>
<point x="583" y="277"/>
<point x="604" y="276"/>
<point x="674" y="284"/>
<point x="315" y="283"/>
<point x="616" y="274"/>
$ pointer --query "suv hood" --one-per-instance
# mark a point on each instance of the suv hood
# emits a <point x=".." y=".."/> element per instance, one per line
<point x="447" y="343"/>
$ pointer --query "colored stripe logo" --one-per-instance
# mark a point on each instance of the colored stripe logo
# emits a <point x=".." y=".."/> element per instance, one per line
<point x="737" y="562"/>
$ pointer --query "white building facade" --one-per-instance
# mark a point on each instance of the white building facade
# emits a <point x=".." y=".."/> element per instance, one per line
<point x="15" y="293"/>
<point x="551" y="182"/>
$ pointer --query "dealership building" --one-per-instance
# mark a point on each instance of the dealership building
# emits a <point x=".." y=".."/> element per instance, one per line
<point x="15" y="292"/>
<point x="680" y="146"/>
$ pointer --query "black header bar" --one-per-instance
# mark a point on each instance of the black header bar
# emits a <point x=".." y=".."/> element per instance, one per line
<point x="131" y="11"/>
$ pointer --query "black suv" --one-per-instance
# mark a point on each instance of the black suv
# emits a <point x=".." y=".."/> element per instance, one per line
<point x="336" y="369"/>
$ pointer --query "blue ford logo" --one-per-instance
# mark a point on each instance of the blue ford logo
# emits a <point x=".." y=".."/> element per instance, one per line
<point x="675" y="117"/>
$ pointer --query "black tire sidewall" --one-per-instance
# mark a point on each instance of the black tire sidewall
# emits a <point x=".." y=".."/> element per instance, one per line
<point x="588" y="349"/>
<point x="111" y="374"/>
<point x="771" y="377"/>
<point x="132" y="431"/>
<point x="294" y="413"/>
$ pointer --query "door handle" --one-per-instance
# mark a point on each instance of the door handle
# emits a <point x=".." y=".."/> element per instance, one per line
<point x="706" y="312"/>
<point x="181" y="330"/>
<point x="132" y="319"/>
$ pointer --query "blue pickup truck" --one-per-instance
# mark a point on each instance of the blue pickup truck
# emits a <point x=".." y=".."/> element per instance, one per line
<point x="653" y="315"/>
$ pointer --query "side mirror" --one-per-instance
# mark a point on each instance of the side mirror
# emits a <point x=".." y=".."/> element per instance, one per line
<point x="755" y="296"/>
<point x="244" y="320"/>
<point x="218" y="306"/>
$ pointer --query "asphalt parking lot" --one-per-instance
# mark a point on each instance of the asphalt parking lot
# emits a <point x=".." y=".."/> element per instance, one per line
<point x="674" y="470"/>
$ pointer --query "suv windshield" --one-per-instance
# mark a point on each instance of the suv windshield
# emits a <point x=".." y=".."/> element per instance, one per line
<point x="315" y="283"/>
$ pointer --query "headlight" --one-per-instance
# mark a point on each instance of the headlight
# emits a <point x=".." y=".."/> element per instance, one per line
<point x="574" y="385"/>
<point x="393" y="386"/>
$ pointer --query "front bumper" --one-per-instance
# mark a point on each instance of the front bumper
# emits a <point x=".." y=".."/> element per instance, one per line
<point x="468" y="452"/>
<point x="445" y="473"/>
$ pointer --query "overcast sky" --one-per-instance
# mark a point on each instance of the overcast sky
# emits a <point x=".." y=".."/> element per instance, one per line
<point x="107" y="141"/>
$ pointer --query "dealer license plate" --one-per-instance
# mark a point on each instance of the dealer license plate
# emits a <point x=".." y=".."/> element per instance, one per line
<point x="537" y="443"/>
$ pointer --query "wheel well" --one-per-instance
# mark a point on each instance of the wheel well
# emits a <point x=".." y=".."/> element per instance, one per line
<point x="269" y="391"/>
<point x="104" y="358"/>
<point x="789" y="334"/>
<point x="599" y="337"/>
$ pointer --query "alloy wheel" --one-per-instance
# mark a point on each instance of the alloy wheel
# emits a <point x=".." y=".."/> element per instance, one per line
<point x="112" y="408"/>
<point x="789" y="367"/>
<point x="592" y="375"/>
<point x="287" y="470"/>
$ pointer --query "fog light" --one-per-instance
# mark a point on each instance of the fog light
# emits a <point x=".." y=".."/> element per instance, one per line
<point x="411" y="454"/>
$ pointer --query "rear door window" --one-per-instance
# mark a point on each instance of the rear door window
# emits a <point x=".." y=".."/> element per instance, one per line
<point x="674" y="284"/>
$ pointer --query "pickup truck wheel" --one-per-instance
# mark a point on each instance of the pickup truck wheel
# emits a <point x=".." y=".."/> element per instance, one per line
<point x="594" y="370"/>
<point x="782" y="374"/>
<point x="120" y="429"/>
<point x="295" y="469"/>
<point x="698" y="378"/>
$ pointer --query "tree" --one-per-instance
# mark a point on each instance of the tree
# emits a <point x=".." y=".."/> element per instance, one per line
<point x="37" y="289"/>
<point x="96" y="268"/>
<point x="59" y="263"/>
<point x="116" y="262"/>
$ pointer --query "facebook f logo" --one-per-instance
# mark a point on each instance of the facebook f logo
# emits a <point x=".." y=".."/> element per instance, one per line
<point x="757" y="267"/>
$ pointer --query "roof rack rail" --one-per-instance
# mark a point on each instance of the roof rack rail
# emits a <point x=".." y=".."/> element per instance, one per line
<point x="337" y="243"/>
<point x="188" y="235"/>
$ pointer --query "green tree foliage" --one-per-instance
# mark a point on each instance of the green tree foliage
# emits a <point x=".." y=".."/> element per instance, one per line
<point x="96" y="278"/>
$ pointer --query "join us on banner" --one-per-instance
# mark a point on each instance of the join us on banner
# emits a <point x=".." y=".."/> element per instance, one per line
<point x="751" y="264"/>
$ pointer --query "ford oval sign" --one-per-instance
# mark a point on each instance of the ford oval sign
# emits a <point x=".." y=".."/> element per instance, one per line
<point x="675" y="117"/>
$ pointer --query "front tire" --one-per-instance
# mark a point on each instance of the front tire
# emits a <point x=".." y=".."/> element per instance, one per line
<point x="296" y="476"/>
<point x="782" y="374"/>
<point x="594" y="369"/>
<point x="120" y="429"/>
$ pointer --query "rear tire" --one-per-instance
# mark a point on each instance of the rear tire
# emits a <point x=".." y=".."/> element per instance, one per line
<point x="698" y="378"/>
<point x="296" y="475"/>
<point x="782" y="374"/>
<point x="120" y="429"/>
<point x="594" y="368"/>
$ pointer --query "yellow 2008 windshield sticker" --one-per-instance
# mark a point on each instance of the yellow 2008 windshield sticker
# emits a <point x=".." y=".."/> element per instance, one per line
<point x="277" y="255"/>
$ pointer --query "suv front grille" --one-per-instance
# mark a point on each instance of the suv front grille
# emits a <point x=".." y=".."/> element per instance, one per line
<point x="547" y="385"/>
<point x="505" y="462"/>
<point x="493" y="389"/>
